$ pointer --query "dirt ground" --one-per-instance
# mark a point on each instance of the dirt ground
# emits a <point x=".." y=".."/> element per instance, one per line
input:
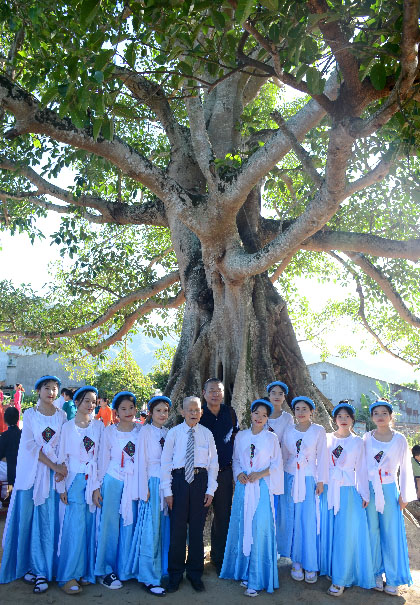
<point x="219" y="592"/>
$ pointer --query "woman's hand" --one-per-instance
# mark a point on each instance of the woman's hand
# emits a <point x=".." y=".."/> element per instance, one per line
<point x="402" y="503"/>
<point x="97" y="498"/>
<point x="63" y="498"/>
<point x="61" y="469"/>
<point x="148" y="496"/>
<point x="242" y="478"/>
<point x="255" y="476"/>
<point x="365" y="504"/>
<point x="319" y="488"/>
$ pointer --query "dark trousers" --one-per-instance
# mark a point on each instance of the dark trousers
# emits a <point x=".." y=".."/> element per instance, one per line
<point x="222" y="503"/>
<point x="188" y="509"/>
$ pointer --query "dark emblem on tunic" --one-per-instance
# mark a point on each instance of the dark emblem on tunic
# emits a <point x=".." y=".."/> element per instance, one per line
<point x="298" y="444"/>
<point x="162" y="442"/>
<point x="337" y="451"/>
<point x="252" y="453"/>
<point x="379" y="456"/>
<point x="130" y="448"/>
<point x="48" y="434"/>
<point x="88" y="443"/>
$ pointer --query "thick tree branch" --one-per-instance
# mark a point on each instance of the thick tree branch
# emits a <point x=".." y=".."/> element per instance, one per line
<point x="31" y="118"/>
<point x="110" y="212"/>
<point x="301" y="153"/>
<point x="131" y="319"/>
<point x="361" y="310"/>
<point x="200" y="140"/>
<point x="125" y="301"/>
<point x="377" y="174"/>
<point x="387" y="288"/>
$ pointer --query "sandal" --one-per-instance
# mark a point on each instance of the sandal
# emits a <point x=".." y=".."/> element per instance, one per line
<point x="335" y="590"/>
<point x="40" y="585"/>
<point x="29" y="578"/>
<point x="379" y="583"/>
<point x="244" y="583"/>
<point x="297" y="572"/>
<point x="250" y="592"/>
<point x="71" y="587"/>
<point x="83" y="582"/>
<point x="310" y="577"/>
<point x="391" y="590"/>
<point x="156" y="591"/>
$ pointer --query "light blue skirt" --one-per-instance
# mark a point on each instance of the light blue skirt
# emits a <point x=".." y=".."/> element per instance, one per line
<point x="114" y="538"/>
<point x="77" y="548"/>
<point x="32" y="537"/>
<point x="148" y="560"/>
<point x="304" y="540"/>
<point x="284" y="518"/>
<point x="387" y="538"/>
<point x="259" y="569"/>
<point x="345" y="553"/>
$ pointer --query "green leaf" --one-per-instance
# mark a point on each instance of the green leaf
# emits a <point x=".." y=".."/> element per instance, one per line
<point x="49" y="95"/>
<point x="97" y="123"/>
<point x="274" y="33"/>
<point x="185" y="68"/>
<point x="378" y="76"/>
<point x="271" y="5"/>
<point x="130" y="54"/>
<point x="102" y="59"/>
<point x="219" y="19"/>
<point x="88" y="10"/>
<point x="99" y="76"/>
<point x="243" y="10"/>
<point x="314" y="81"/>
<point x="108" y="129"/>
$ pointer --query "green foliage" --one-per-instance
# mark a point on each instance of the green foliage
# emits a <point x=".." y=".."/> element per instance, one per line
<point x="159" y="374"/>
<point x="123" y="374"/>
<point x="383" y="392"/>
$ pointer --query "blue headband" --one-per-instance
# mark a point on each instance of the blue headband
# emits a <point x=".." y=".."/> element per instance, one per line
<point x="306" y="399"/>
<point x="86" y="389"/>
<point x="46" y="379"/>
<point x="262" y="402"/>
<point x="280" y="384"/>
<point x="122" y="394"/>
<point x="375" y="404"/>
<point x="344" y="405"/>
<point x="159" y="398"/>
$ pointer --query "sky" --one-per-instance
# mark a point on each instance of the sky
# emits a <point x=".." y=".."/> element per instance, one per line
<point x="24" y="263"/>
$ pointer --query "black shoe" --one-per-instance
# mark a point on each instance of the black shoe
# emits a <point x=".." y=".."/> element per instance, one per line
<point x="196" y="584"/>
<point x="218" y="567"/>
<point x="173" y="586"/>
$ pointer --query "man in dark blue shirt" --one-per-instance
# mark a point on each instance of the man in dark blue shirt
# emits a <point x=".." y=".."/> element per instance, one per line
<point x="221" y="420"/>
<point x="9" y="446"/>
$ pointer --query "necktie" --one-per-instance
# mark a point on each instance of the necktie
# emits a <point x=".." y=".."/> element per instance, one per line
<point x="189" y="457"/>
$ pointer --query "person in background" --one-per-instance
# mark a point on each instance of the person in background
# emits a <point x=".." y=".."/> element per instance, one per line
<point x="1" y="396"/>
<point x="415" y="463"/>
<point x="17" y="398"/>
<point x="189" y="479"/>
<point x="60" y="401"/>
<point x="9" y="446"/>
<point x="105" y="412"/>
<point x="143" y="417"/>
<point x="221" y="420"/>
<point x="69" y="407"/>
<point x="3" y="426"/>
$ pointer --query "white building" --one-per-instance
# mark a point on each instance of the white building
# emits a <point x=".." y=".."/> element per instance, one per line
<point x="18" y="365"/>
<point x="338" y="383"/>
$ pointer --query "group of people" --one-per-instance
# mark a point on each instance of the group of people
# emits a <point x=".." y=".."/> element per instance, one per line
<point x="120" y="502"/>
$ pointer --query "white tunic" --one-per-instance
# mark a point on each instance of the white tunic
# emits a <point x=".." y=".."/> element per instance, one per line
<point x="347" y="467"/>
<point x="78" y="450"/>
<point x="305" y="454"/>
<point x="116" y="458"/>
<point x="254" y="453"/>
<point x="148" y="458"/>
<point x="280" y="424"/>
<point x="383" y="461"/>
<point x="39" y="432"/>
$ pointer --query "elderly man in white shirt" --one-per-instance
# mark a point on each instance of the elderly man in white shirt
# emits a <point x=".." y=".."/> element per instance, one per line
<point x="189" y="468"/>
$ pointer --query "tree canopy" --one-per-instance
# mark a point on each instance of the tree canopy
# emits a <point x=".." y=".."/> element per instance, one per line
<point x="199" y="183"/>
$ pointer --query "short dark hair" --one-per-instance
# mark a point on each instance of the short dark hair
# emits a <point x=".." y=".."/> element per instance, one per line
<point x="260" y="404"/>
<point x="11" y="416"/>
<point x="209" y="380"/>
<point x="122" y="398"/>
<point x="67" y="391"/>
<point x="415" y="450"/>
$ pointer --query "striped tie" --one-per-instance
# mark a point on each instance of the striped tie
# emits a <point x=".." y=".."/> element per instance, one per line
<point x="189" y="458"/>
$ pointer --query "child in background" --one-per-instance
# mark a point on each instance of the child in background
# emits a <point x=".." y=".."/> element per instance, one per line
<point x="118" y="514"/>
<point x="79" y="444"/>
<point x="149" y="551"/>
<point x="415" y="463"/>
<point x="30" y="536"/>
<point x="9" y="446"/>
<point x="105" y="412"/>
<point x="68" y="406"/>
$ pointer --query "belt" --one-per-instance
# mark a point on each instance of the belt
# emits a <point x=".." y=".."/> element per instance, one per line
<point x="225" y="468"/>
<point x="181" y="471"/>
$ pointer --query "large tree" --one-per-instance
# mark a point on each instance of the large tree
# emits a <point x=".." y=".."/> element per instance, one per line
<point x="206" y="186"/>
